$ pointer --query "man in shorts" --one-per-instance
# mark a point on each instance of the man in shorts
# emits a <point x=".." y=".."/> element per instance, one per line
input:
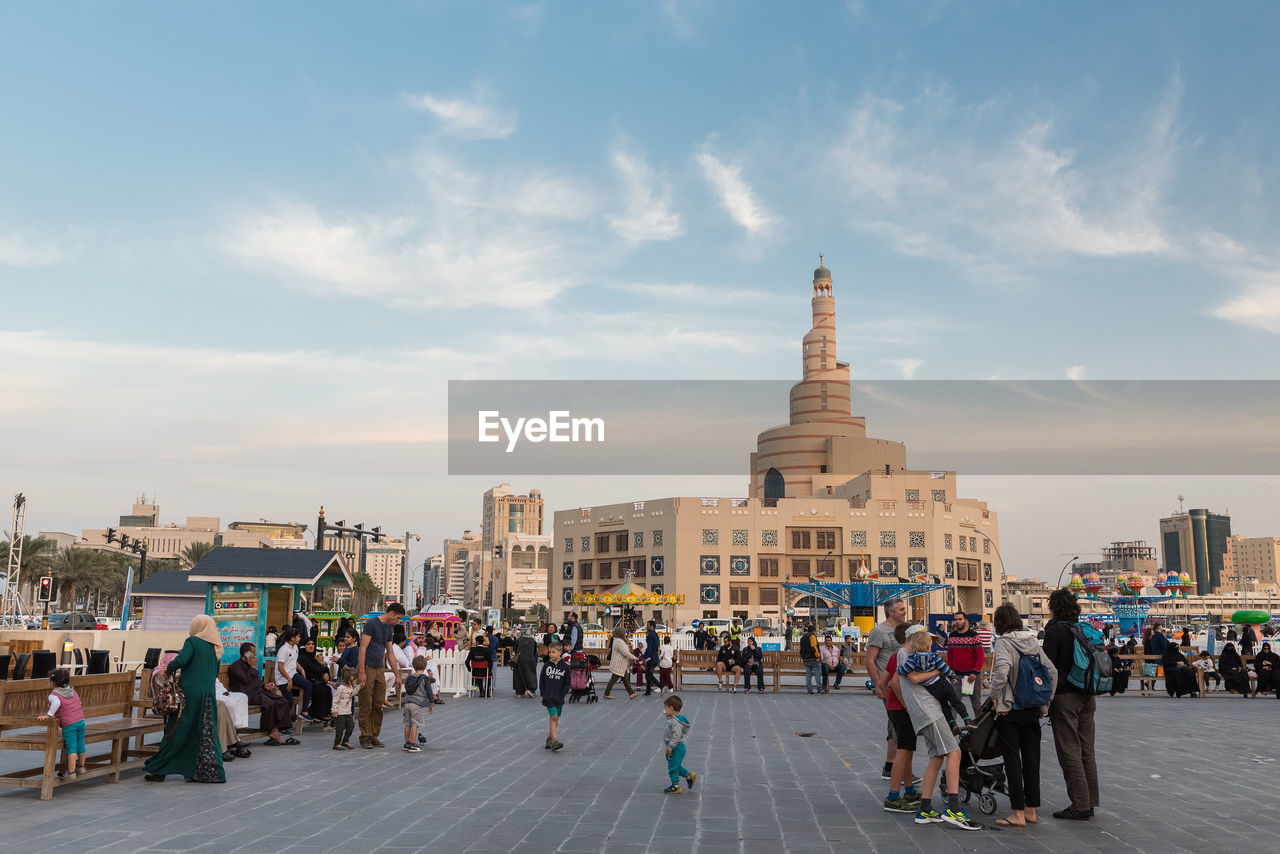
<point x="880" y="648"/>
<point x="935" y="737"/>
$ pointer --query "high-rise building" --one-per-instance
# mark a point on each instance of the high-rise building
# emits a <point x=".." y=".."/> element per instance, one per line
<point x="433" y="586"/>
<point x="1250" y="558"/>
<point x="522" y="570"/>
<point x="1195" y="542"/>
<point x="825" y="502"/>
<point x="457" y="559"/>
<point x="502" y="513"/>
<point x="1125" y="557"/>
<point x="382" y="560"/>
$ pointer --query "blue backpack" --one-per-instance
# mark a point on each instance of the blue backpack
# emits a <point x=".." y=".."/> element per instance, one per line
<point x="1032" y="688"/>
<point x="1090" y="662"/>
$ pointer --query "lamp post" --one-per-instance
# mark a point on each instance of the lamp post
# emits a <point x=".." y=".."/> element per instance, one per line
<point x="1064" y="569"/>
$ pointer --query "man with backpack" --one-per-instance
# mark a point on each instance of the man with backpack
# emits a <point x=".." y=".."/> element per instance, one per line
<point x="1073" y="707"/>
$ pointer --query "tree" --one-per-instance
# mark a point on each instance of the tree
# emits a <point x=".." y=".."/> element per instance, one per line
<point x="365" y="594"/>
<point x="538" y="611"/>
<point x="194" y="553"/>
<point x="78" y="569"/>
<point x="37" y="558"/>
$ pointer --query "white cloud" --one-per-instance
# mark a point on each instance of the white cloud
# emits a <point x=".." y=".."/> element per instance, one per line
<point x="17" y="250"/>
<point x="907" y="366"/>
<point x="648" y="214"/>
<point x="1257" y="305"/>
<point x="473" y="118"/>
<point x="927" y="176"/>
<point x="1075" y="373"/>
<point x="689" y="292"/>
<point x="736" y="195"/>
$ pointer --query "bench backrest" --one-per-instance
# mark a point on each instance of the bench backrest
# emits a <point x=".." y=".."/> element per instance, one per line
<point x="101" y="694"/>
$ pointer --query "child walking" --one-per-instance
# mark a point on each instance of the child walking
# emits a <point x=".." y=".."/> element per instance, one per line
<point x="923" y="660"/>
<point x="673" y="740"/>
<point x="64" y="704"/>
<point x="417" y="696"/>
<point x="343" y="721"/>
<point x="553" y="687"/>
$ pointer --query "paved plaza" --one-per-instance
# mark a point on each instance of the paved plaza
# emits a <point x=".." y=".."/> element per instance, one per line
<point x="1176" y="775"/>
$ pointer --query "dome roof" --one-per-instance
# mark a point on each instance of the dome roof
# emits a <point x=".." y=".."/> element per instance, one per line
<point x="822" y="273"/>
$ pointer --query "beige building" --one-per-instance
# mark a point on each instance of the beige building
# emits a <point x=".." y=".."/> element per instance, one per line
<point x="523" y="569"/>
<point x="1250" y="557"/>
<point x="263" y="534"/>
<point x="503" y="513"/>
<point x="458" y="556"/>
<point x="1125" y="557"/>
<point x="163" y="541"/>
<point x="1030" y="596"/>
<point x="383" y="560"/>
<point x="826" y="502"/>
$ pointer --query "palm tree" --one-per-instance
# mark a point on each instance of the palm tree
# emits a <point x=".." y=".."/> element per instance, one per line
<point x="365" y="593"/>
<point x="76" y="568"/>
<point x="194" y="553"/>
<point x="37" y="558"/>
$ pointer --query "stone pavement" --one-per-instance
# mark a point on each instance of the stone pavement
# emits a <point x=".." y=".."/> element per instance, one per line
<point x="1177" y="775"/>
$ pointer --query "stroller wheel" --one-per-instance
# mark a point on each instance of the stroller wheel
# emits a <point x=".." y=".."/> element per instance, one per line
<point x="967" y="795"/>
<point x="987" y="803"/>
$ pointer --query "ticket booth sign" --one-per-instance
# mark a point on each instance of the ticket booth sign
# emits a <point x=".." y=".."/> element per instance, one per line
<point x="236" y="608"/>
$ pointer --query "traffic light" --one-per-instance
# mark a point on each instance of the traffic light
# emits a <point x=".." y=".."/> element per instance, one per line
<point x="111" y="535"/>
<point x="46" y="588"/>
<point x="497" y="551"/>
<point x="508" y="600"/>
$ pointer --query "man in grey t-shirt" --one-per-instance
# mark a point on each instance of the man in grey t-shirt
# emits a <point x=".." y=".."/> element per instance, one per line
<point x="881" y="646"/>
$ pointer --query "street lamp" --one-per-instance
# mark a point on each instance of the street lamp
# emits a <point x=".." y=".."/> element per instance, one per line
<point x="1064" y="569"/>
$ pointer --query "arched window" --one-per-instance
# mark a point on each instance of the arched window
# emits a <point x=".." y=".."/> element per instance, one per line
<point x="774" y="485"/>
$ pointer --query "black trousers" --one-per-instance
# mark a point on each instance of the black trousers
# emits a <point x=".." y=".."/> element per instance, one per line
<point x="758" y="670"/>
<point x="1019" y="732"/>
<point x="651" y="681"/>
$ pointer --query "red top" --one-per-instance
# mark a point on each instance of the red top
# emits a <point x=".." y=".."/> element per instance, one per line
<point x="891" y="701"/>
<point x="70" y="711"/>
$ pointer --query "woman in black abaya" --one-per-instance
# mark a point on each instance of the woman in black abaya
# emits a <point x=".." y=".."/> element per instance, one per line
<point x="1267" y="665"/>
<point x="525" y="673"/>
<point x="1179" y="680"/>
<point x="1231" y="666"/>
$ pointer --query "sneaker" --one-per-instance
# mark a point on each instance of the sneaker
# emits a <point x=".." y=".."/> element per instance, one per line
<point x="366" y="743"/>
<point x="719" y="686"/>
<point x="412" y="748"/>
<point x="887" y="773"/>
<point x="898" y="805"/>
<point x="692" y="778"/>
<point x="547" y="746"/>
<point x="958" y="818"/>
<point x="556" y="745"/>
<point x="928" y="817"/>
<point x="760" y="691"/>
<point x="374" y="742"/>
<point x="837" y="687"/>
<point x="914" y="800"/>
<point x="673" y="789"/>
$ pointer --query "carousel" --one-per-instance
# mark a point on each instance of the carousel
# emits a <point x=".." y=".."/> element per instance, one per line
<point x="621" y="603"/>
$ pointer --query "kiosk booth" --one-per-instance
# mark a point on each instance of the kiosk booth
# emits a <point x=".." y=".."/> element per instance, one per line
<point x="443" y="614"/>
<point x="250" y="589"/>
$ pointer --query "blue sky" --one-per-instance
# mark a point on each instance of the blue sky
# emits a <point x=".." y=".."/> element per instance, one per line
<point x="243" y="247"/>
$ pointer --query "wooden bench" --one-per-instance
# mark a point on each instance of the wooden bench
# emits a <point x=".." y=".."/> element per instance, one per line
<point x="106" y="695"/>
<point x="144" y="698"/>
<point x="693" y="663"/>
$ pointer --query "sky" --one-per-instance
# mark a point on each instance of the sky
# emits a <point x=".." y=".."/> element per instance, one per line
<point x="243" y="248"/>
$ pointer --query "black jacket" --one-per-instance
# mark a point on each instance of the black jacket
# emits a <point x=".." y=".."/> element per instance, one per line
<point x="749" y="656"/>
<point x="553" y="682"/>
<point x="809" y="647"/>
<point x="1060" y="648"/>
<point x="651" y="644"/>
<point x="571" y="637"/>
<point x="728" y="655"/>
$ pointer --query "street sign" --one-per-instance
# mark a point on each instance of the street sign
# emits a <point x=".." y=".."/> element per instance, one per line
<point x="495" y="616"/>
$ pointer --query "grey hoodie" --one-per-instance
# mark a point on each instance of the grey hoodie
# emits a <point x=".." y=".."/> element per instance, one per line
<point x="1009" y="649"/>
<point x="677" y="728"/>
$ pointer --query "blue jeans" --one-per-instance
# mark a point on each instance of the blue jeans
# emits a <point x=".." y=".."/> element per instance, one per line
<point x="303" y="684"/>
<point x="675" y="763"/>
<point x="827" y="670"/>
<point x="812" y="675"/>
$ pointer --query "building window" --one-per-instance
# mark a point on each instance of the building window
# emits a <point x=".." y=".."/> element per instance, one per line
<point x="888" y="567"/>
<point x="769" y="538"/>
<point x="949" y="570"/>
<point x="710" y="537"/>
<point x="624" y="569"/>
<point x="638" y="565"/>
<point x="918" y="569"/>
<point x="939" y="495"/>
<point x="986" y="546"/>
<point x="858" y="539"/>
<point x="586" y="544"/>
<point x="657" y="588"/>
<point x="606" y="570"/>
<point x="946" y="541"/>
<point x="568" y="570"/>
<point x="655" y="565"/>
<point x="800" y="568"/>
<point x="888" y="539"/>
<point x="913" y="495"/>
<point x="826" y="568"/>
<point x="709" y="594"/>
<point x="915" y="539"/>
<point x="602" y="544"/>
<point x="739" y="565"/>
<point x="584" y="570"/>
<point x="655" y="539"/>
<point x="739" y="537"/>
<point x="620" y="541"/>
<point x="709" y="565"/>
<point x="963" y="542"/>
<point x="986" y="597"/>
<point x="739" y="595"/>
<point x="568" y="545"/>
<point x="973" y="544"/>
<point x="826" y="539"/>
<point x="566" y="596"/>
<point x="800" y="540"/>
<point x="768" y="596"/>
<point x="637" y="539"/>
<point x="986" y="572"/>
<point x="769" y="566"/>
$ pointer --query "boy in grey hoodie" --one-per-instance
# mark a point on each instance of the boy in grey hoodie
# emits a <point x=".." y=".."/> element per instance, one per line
<point x="673" y="740"/>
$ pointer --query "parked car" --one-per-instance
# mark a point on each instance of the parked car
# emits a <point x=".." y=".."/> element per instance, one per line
<point x="135" y="624"/>
<point x="72" y="621"/>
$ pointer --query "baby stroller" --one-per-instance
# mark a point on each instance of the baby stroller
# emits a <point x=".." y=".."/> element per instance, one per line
<point x="976" y="745"/>
<point x="582" y="683"/>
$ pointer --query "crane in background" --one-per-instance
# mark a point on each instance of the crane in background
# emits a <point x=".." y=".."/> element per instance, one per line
<point x="11" y="603"/>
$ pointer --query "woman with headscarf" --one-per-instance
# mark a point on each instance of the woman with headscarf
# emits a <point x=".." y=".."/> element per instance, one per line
<point x="1178" y="678"/>
<point x="344" y="625"/>
<point x="1231" y="666"/>
<point x="317" y="673"/>
<point x="525" y="675"/>
<point x="1121" y="667"/>
<point x="1267" y="665"/>
<point x="190" y="746"/>
<point x="621" y="659"/>
<point x="276" y="709"/>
